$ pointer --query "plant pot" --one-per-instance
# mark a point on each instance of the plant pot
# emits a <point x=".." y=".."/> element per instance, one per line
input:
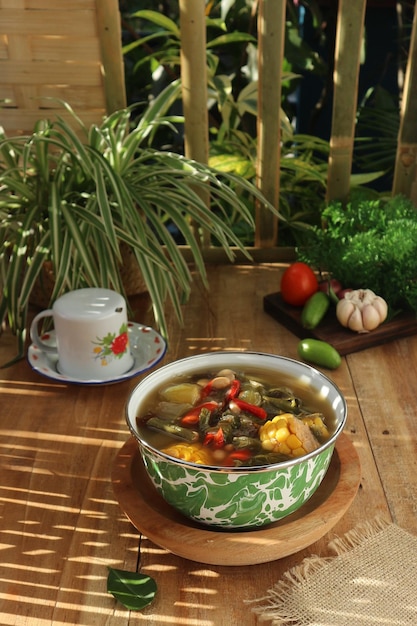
<point x="130" y="274"/>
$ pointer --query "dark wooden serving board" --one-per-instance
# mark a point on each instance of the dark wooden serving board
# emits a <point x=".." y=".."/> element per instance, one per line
<point x="345" y="341"/>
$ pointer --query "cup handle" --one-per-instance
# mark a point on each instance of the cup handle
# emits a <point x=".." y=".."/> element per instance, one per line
<point x="34" y="334"/>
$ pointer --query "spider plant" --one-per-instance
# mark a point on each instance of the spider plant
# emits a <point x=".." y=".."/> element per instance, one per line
<point x="71" y="196"/>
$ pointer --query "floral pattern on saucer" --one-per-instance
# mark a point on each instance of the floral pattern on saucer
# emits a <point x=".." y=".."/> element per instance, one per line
<point x="147" y="346"/>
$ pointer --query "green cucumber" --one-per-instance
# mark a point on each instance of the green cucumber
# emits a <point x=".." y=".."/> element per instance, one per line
<point x="315" y="309"/>
<point x="319" y="353"/>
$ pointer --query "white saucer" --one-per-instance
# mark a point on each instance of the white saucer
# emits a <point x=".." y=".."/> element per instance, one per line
<point x="147" y="346"/>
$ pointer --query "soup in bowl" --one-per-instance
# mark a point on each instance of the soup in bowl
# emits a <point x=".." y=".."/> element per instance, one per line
<point x="236" y="439"/>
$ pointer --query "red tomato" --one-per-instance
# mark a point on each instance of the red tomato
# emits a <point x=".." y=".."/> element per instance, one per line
<point x="298" y="284"/>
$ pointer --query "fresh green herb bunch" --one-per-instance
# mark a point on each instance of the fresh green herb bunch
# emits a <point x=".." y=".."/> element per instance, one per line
<point x="369" y="244"/>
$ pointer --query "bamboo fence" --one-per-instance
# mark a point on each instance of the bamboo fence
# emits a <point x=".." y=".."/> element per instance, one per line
<point x="349" y="41"/>
<point x="50" y="49"/>
<point x="349" y="38"/>
<point x="405" y="173"/>
<point x="271" y="39"/>
<point x="72" y="50"/>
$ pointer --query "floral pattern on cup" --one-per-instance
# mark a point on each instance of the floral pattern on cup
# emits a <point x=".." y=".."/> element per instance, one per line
<point x="112" y="346"/>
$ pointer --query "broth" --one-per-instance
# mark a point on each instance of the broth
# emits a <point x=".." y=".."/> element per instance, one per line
<point x="191" y="418"/>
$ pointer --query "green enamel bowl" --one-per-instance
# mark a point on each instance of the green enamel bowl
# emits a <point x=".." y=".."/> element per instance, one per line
<point x="229" y="498"/>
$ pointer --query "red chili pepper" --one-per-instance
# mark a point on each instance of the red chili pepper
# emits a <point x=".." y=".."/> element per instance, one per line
<point x="258" y="411"/>
<point x="207" y="389"/>
<point x="216" y="440"/>
<point x="237" y="455"/>
<point x="190" y="419"/>
<point x="234" y="389"/>
<point x="193" y="416"/>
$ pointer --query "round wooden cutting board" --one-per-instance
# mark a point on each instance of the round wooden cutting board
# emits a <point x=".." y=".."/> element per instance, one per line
<point x="170" y="530"/>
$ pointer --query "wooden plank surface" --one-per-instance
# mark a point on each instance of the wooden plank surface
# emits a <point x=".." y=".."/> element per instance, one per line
<point x="80" y="23"/>
<point x="50" y="72"/>
<point x="45" y="49"/>
<point x="232" y="316"/>
<point x="61" y="525"/>
<point x="13" y="119"/>
<point x="68" y="5"/>
<point x="385" y="385"/>
<point x="51" y="49"/>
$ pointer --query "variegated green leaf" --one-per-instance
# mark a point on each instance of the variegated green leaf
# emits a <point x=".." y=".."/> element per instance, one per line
<point x="160" y="20"/>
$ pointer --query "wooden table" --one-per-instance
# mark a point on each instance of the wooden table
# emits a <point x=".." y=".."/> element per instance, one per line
<point x="61" y="525"/>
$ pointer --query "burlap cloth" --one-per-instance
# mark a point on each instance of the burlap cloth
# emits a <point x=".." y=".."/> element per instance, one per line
<point x="372" y="581"/>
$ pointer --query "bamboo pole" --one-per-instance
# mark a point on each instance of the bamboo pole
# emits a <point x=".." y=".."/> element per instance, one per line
<point x="194" y="78"/>
<point x="194" y="87"/>
<point x="271" y="38"/>
<point x="349" y="39"/>
<point x="405" y="172"/>
<point x="109" y="30"/>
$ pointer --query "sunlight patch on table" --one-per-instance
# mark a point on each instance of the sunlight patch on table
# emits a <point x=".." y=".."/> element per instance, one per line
<point x="24" y="388"/>
<point x="204" y="591"/>
<point x="163" y="620"/>
<point x="205" y="572"/>
<point x="39" y="570"/>
<point x="158" y="567"/>
<point x="196" y="605"/>
<point x="57" y="438"/>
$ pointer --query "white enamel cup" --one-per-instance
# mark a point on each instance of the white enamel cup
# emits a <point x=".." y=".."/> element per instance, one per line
<point x="91" y="332"/>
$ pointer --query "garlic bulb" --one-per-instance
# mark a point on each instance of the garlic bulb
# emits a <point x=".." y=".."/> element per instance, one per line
<point x="361" y="310"/>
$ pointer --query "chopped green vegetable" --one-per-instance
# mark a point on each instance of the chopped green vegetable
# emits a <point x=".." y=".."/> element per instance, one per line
<point x="315" y="309"/>
<point x="369" y="244"/>
<point x="133" y="590"/>
<point x="319" y="353"/>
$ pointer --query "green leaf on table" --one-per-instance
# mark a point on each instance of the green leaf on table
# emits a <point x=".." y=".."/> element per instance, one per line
<point x="133" y="590"/>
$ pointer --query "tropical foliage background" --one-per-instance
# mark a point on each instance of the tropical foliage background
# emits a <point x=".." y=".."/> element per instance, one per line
<point x="151" y="51"/>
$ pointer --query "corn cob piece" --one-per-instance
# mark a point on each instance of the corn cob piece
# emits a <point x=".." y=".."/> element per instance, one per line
<point x="287" y="435"/>
<point x="194" y="453"/>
